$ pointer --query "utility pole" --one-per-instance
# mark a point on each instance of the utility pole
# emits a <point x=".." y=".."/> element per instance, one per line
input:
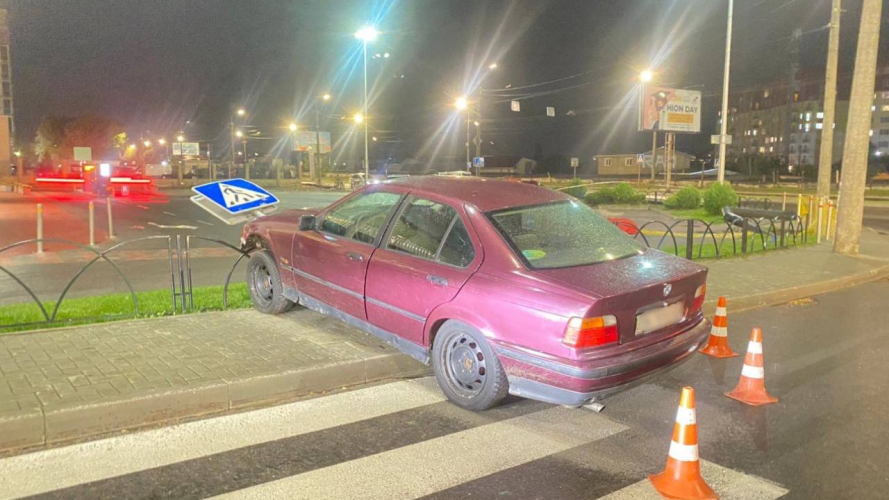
<point x="725" y="77"/>
<point x="855" y="152"/>
<point x="653" y="155"/>
<point x="830" y="96"/>
<point x="318" y="143"/>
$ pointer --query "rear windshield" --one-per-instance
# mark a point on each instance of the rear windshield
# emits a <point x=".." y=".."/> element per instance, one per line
<point x="562" y="234"/>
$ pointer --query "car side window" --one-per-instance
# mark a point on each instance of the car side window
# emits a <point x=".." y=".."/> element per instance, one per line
<point x="457" y="249"/>
<point x="421" y="228"/>
<point x="431" y="231"/>
<point x="362" y="217"/>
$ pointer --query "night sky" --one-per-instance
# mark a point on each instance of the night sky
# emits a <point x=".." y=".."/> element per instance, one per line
<point x="155" y="65"/>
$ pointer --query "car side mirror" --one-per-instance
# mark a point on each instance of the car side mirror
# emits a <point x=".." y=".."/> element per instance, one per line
<point x="306" y="222"/>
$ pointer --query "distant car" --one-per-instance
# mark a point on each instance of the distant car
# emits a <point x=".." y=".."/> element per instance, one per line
<point x="357" y="180"/>
<point x="503" y="287"/>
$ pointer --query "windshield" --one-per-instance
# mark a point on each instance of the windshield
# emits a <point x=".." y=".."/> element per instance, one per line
<point x="562" y="234"/>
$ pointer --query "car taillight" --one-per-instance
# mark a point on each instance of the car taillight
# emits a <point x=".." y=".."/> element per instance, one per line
<point x="590" y="332"/>
<point x="698" y="303"/>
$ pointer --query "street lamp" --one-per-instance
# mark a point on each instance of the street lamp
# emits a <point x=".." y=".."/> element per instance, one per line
<point x="239" y="134"/>
<point x="461" y="103"/>
<point x="231" y="126"/>
<point x="358" y="118"/>
<point x="646" y="76"/>
<point x="147" y="144"/>
<point x="367" y="35"/>
<point x="180" y="138"/>
<point x="161" y="141"/>
<point x="292" y="127"/>
<point x="326" y="97"/>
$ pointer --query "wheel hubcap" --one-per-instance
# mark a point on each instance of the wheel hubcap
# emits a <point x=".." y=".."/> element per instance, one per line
<point x="466" y="365"/>
<point x="262" y="283"/>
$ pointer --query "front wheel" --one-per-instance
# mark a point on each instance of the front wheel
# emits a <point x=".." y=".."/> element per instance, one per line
<point x="466" y="368"/>
<point x="264" y="283"/>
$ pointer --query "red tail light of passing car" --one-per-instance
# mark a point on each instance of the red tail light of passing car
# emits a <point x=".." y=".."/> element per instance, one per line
<point x="582" y="333"/>
<point x="698" y="303"/>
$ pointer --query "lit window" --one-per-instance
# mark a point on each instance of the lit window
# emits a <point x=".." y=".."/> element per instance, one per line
<point x="819" y="126"/>
<point x="801" y="116"/>
<point x="754" y="133"/>
<point x="873" y="108"/>
<point x="765" y="93"/>
<point x="885" y="107"/>
<point x="820" y="114"/>
<point x="762" y="149"/>
<point x="808" y="117"/>
<point x="771" y="149"/>
<point x="808" y="127"/>
<point x="871" y="133"/>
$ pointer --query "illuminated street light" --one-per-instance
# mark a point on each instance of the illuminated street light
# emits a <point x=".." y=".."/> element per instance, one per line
<point x="147" y="143"/>
<point x="461" y="103"/>
<point x="161" y="141"/>
<point x="326" y="97"/>
<point x="358" y="118"/>
<point x="367" y="34"/>
<point x="238" y="133"/>
<point x="374" y="139"/>
<point x="131" y="146"/>
<point x="292" y="127"/>
<point x="646" y="76"/>
<point x="476" y="123"/>
<point x="180" y="138"/>
<point x="241" y="112"/>
<point x="492" y="66"/>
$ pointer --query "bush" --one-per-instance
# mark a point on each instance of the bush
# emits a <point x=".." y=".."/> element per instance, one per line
<point x="624" y="194"/>
<point x="717" y="196"/>
<point x="686" y="198"/>
<point x="620" y="194"/>
<point x="576" y="190"/>
<point x="601" y="197"/>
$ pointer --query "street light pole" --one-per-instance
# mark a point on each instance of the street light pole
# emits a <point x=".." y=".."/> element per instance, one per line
<point x="318" y="141"/>
<point x="725" y="78"/>
<point x="366" y="145"/>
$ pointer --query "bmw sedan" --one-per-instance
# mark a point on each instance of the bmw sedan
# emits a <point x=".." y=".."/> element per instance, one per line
<point x="503" y="287"/>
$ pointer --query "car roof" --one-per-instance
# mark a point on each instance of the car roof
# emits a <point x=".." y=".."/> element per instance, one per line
<point x="486" y="194"/>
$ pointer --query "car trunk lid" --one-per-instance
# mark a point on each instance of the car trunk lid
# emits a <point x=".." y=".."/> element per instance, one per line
<point x="628" y="287"/>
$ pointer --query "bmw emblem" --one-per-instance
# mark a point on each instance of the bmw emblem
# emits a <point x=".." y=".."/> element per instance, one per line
<point x="667" y="289"/>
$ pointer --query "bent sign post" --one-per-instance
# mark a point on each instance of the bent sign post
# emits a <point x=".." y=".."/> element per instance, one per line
<point x="234" y="200"/>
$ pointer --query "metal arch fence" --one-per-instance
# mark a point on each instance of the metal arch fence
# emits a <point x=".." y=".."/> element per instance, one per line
<point x="178" y="262"/>
<point x="689" y="238"/>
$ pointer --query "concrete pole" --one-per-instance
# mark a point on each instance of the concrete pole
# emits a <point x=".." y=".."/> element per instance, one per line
<point x="850" y="213"/>
<point x="653" y="155"/>
<point x="830" y="96"/>
<point x="110" y="220"/>
<point x="92" y="225"/>
<point x="40" y="228"/>
<point x="725" y="78"/>
<point x="366" y="124"/>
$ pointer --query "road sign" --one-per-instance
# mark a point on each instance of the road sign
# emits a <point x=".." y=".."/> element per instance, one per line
<point x="478" y="162"/>
<point x="575" y="162"/>
<point x="231" y="199"/>
<point x="714" y="139"/>
<point x="640" y="159"/>
<point x="83" y="154"/>
<point x="550" y="111"/>
<point x="186" y="149"/>
<point x="515" y="106"/>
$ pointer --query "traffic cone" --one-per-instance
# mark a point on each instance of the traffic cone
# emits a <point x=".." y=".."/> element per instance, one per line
<point x="751" y="388"/>
<point x="681" y="478"/>
<point x="718" y="346"/>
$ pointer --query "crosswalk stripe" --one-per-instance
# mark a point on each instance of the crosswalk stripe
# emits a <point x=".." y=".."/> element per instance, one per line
<point x="73" y="465"/>
<point x="429" y="466"/>
<point x="727" y="483"/>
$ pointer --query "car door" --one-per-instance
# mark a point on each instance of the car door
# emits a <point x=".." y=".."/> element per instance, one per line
<point x="331" y="261"/>
<point x="426" y="257"/>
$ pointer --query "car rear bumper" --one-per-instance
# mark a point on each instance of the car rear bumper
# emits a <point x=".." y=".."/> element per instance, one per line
<point x="544" y="379"/>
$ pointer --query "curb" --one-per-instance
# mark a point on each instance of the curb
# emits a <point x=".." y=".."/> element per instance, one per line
<point x="778" y="297"/>
<point x="55" y="424"/>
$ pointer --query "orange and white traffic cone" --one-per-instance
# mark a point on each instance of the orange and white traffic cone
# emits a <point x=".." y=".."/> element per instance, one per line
<point x="681" y="478"/>
<point x="751" y="388"/>
<point x="717" y="345"/>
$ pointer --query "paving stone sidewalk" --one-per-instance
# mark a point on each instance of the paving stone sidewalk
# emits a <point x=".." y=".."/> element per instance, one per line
<point x="70" y="383"/>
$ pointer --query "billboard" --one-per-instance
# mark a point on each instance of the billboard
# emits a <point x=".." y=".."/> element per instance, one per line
<point x="670" y="110"/>
<point x="186" y="149"/>
<point x="306" y="140"/>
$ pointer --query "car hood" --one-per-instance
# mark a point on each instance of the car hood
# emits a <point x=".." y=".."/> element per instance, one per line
<point x="622" y="276"/>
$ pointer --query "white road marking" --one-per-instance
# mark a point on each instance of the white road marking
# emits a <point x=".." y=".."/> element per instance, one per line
<point x="163" y="226"/>
<point x="170" y="213"/>
<point x="436" y="464"/>
<point x="205" y="223"/>
<point x="143" y="207"/>
<point x="58" y="468"/>
<point x="729" y="484"/>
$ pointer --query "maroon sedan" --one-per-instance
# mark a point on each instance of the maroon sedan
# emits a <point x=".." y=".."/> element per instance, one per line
<point x="503" y="287"/>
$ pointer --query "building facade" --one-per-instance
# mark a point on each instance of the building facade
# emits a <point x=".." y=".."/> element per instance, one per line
<point x="786" y="121"/>
<point x="626" y="164"/>
<point x="6" y="103"/>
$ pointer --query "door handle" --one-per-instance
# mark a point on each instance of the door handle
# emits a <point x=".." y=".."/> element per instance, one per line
<point x="355" y="256"/>
<point x="437" y="280"/>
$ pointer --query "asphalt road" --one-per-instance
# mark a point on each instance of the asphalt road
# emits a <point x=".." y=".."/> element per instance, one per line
<point x="824" y="439"/>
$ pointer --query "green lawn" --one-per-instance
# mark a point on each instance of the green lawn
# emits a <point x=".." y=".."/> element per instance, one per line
<point x="694" y="213"/>
<point x="754" y="245"/>
<point x="119" y="306"/>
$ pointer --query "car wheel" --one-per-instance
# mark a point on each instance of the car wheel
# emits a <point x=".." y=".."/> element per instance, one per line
<point x="466" y="368"/>
<point x="264" y="283"/>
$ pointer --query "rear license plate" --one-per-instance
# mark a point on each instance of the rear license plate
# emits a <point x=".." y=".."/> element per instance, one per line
<point x="661" y="317"/>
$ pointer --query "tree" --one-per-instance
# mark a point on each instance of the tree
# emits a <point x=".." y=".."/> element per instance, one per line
<point x="851" y="210"/>
<point x="103" y="136"/>
<point x="49" y="141"/>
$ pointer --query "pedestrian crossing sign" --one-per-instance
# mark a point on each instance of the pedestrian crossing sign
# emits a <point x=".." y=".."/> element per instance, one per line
<point x="232" y="199"/>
